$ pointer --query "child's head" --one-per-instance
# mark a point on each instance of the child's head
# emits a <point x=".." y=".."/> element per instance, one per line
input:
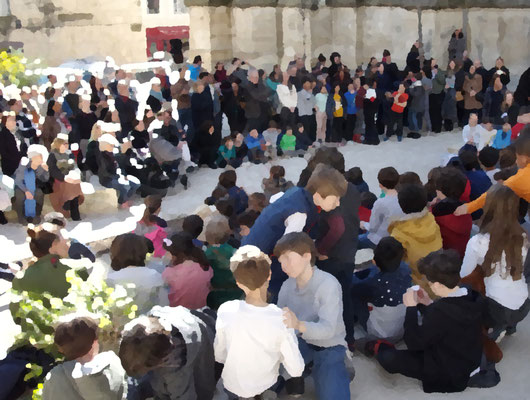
<point x="522" y="149"/>
<point x="409" y="178"/>
<point x="146" y="345"/>
<point x="251" y="268"/>
<point x="77" y="338"/>
<point x="193" y="225"/>
<point x="246" y="221"/>
<point x="488" y="157"/>
<point x="228" y="142"/>
<point x="442" y="270"/>
<point x="217" y="230"/>
<point x="277" y="172"/>
<point x="225" y="206"/>
<point x="388" y="254"/>
<point x="218" y="193"/>
<point x="153" y="203"/>
<point x="43" y="242"/>
<point x="273" y="124"/>
<point x="368" y="199"/>
<point x="487" y="124"/>
<point x="228" y="179"/>
<point x="469" y="160"/>
<point x="412" y="198"/>
<point x="300" y="127"/>
<point x="296" y="252"/>
<point x="354" y="175"/>
<point x="451" y="183"/>
<point x="388" y="178"/>
<point x="257" y="202"/>
<point x="181" y="248"/>
<point x="129" y="250"/>
<point x="254" y="133"/>
<point x="327" y="185"/>
<point x="506" y="127"/>
<point x="507" y="157"/>
<point x="288" y="131"/>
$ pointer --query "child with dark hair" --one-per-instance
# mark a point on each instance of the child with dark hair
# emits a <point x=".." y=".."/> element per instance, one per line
<point x="276" y="182"/>
<point x="256" y="147"/>
<point x="193" y="226"/>
<point x="409" y="178"/>
<point x="480" y="182"/>
<point x="368" y="200"/>
<point x="383" y="289"/>
<point x="257" y="202"/>
<point x="417" y="230"/>
<point x="385" y="209"/>
<point x="87" y="373"/>
<point x="503" y="137"/>
<point x="455" y="230"/>
<point x="227" y="154"/>
<point x="170" y="350"/>
<point x="151" y="226"/>
<point x="218" y="253"/>
<point x="252" y="329"/>
<point x="446" y="347"/>
<point x="246" y="221"/>
<point x="355" y="176"/>
<point x="228" y="180"/>
<point x="127" y="254"/>
<point x="312" y="304"/>
<point x="303" y="141"/>
<point x="488" y="157"/>
<point x="188" y="275"/>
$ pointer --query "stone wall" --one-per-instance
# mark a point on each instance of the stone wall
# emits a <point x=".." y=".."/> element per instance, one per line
<point x="277" y="30"/>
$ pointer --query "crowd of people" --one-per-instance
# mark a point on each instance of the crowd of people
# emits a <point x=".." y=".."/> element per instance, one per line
<point x="261" y="290"/>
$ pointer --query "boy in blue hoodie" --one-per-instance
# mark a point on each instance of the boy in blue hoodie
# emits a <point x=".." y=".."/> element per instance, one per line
<point x="256" y="145"/>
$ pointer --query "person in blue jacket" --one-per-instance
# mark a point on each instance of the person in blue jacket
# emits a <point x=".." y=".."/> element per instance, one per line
<point x="228" y="180"/>
<point x="296" y="211"/>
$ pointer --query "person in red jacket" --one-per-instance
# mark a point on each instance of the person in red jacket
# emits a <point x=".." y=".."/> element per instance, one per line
<point x="450" y="187"/>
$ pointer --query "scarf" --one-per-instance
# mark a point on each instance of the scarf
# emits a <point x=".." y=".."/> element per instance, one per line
<point x="30" y="180"/>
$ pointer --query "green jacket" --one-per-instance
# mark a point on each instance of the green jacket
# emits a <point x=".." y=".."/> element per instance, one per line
<point x="48" y="274"/>
<point x="224" y="286"/>
<point x="438" y="83"/>
<point x="288" y="143"/>
<point x="225" y="154"/>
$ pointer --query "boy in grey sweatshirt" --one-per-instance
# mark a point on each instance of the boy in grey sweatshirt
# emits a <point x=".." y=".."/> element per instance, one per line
<point x="312" y="304"/>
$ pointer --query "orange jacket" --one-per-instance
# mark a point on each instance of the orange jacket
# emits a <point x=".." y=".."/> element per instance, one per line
<point x="519" y="183"/>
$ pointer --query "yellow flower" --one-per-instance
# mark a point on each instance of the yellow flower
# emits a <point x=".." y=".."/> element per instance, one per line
<point x="134" y="307"/>
<point x="131" y="315"/>
<point x="56" y="303"/>
<point x="103" y="322"/>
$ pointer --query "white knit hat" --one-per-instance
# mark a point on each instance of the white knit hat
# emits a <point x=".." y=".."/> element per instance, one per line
<point x="38" y="150"/>
<point x="108" y="138"/>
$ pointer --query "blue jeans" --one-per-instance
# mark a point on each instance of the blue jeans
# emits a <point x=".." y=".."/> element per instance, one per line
<point x="415" y="121"/>
<point x="125" y="192"/>
<point x="332" y="380"/>
<point x="365" y="243"/>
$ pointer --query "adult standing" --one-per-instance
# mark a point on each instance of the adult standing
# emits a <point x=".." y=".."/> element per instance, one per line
<point x="457" y="46"/>
<point x="288" y="97"/>
<point x="472" y="86"/>
<point x="436" y="97"/>
<point x="9" y="152"/>
<point x="306" y="104"/>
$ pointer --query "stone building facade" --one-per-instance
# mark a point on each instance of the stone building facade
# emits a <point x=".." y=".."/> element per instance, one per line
<point x="268" y="32"/>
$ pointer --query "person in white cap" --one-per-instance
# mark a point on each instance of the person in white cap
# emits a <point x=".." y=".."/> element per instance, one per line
<point x="30" y="177"/>
<point x="110" y="175"/>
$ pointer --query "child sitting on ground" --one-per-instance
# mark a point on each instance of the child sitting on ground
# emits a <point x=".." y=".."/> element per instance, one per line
<point x="445" y="348"/>
<point x="87" y="373"/>
<point x="256" y="147"/>
<point x="368" y="200"/>
<point x="355" y="176"/>
<point x="276" y="182"/>
<point x="257" y="202"/>
<point x="488" y="157"/>
<point x="151" y="226"/>
<point x="384" y="210"/>
<point x="455" y="231"/>
<point x="417" y="230"/>
<point x="480" y="182"/>
<point x="303" y="142"/>
<point x="189" y="274"/>
<point x="227" y="154"/>
<point x="252" y="329"/>
<point x="228" y="180"/>
<point x="193" y="225"/>
<point x="382" y="291"/>
<point x="218" y="253"/>
<point x="170" y="350"/>
<point x="271" y="137"/>
<point x="503" y="137"/>
<point x="288" y="142"/>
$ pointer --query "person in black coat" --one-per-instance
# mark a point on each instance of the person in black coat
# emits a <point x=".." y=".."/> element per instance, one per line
<point x="522" y="93"/>
<point x="500" y="69"/>
<point x="201" y="105"/>
<point x="337" y="247"/>
<point x="446" y="347"/>
<point x="126" y="108"/>
<point x="207" y="142"/>
<point x="9" y="154"/>
<point x="413" y="59"/>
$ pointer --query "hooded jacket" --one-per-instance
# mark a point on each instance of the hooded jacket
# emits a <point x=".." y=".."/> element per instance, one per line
<point x="449" y="338"/>
<point x="103" y="378"/>
<point x="455" y="230"/>
<point x="9" y="154"/>
<point x="420" y="235"/>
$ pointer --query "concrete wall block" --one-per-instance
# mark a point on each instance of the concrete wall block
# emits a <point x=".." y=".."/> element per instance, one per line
<point x="321" y="34"/>
<point x="437" y="28"/>
<point x="254" y="33"/>
<point x="344" y="31"/>
<point x="293" y="34"/>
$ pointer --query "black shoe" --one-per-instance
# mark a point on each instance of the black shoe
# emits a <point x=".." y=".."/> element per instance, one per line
<point x="486" y="378"/>
<point x="3" y="219"/>
<point x="190" y="169"/>
<point x="74" y="209"/>
<point x="212" y="166"/>
<point x="295" y="386"/>
<point x="184" y="181"/>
